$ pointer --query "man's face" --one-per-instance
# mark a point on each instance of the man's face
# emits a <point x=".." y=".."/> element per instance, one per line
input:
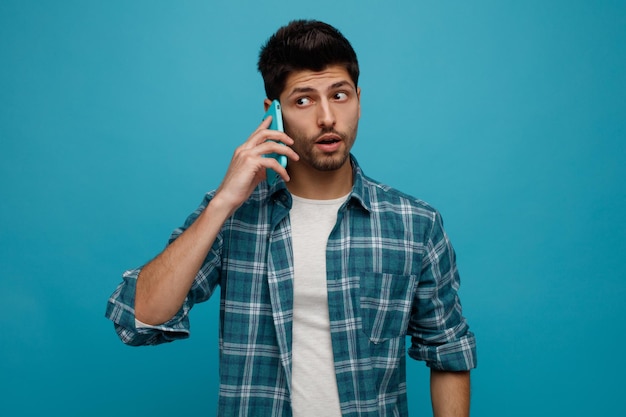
<point x="321" y="112"/>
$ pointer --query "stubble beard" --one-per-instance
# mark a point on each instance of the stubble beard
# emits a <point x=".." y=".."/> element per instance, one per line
<point x="322" y="161"/>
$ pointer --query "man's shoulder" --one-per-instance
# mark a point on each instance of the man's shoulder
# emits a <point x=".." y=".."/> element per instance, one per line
<point x="261" y="194"/>
<point x="383" y="195"/>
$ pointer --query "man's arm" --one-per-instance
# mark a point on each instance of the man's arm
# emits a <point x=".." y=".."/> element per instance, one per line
<point x="450" y="393"/>
<point x="163" y="284"/>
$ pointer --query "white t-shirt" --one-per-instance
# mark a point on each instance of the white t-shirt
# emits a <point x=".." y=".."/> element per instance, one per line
<point x="314" y="382"/>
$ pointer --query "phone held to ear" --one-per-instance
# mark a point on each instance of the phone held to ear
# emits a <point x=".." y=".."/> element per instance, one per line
<point x="277" y="124"/>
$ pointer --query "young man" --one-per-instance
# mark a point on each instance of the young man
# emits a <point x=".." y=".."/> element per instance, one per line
<point x="322" y="274"/>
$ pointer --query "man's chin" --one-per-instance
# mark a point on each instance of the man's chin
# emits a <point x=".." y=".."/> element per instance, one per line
<point x="328" y="163"/>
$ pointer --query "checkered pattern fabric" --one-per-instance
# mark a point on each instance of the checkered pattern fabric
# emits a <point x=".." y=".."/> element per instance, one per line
<point x="391" y="273"/>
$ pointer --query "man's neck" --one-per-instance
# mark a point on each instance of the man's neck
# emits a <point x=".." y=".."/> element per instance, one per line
<point x="307" y="182"/>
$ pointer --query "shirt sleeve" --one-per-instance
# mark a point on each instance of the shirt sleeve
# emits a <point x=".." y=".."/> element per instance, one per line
<point x="440" y="335"/>
<point x="121" y="305"/>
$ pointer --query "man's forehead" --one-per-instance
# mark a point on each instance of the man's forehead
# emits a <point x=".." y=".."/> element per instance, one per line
<point x="308" y="80"/>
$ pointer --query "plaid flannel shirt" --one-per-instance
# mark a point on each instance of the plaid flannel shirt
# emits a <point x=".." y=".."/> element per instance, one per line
<point x="391" y="272"/>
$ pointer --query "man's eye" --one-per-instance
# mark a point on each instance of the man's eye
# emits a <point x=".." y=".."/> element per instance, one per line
<point x="341" y="96"/>
<point x="303" y="101"/>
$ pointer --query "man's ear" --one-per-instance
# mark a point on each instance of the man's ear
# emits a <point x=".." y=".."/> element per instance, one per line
<point x="267" y="103"/>
<point x="358" y="94"/>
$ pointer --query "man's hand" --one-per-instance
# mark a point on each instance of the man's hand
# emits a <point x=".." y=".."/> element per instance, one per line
<point x="248" y="165"/>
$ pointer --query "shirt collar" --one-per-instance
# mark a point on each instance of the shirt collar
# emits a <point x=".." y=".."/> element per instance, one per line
<point x="360" y="192"/>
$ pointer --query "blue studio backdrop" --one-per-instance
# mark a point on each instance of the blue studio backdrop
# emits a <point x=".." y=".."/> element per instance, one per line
<point x="508" y="116"/>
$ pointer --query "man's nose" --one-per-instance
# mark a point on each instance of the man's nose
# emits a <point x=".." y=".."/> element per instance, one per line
<point x="326" y="115"/>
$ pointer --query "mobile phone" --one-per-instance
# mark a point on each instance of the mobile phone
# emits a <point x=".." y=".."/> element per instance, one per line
<point x="277" y="124"/>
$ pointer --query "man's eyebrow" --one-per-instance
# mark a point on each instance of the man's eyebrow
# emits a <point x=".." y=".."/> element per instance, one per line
<point x="338" y="84"/>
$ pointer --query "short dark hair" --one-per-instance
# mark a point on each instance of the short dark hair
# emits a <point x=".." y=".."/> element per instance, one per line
<point x="304" y="45"/>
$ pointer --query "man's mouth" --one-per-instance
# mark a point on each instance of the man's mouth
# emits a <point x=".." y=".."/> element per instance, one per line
<point x="328" y="139"/>
<point x="328" y="143"/>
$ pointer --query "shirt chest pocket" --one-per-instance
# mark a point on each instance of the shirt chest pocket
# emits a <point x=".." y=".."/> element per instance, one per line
<point x="385" y="304"/>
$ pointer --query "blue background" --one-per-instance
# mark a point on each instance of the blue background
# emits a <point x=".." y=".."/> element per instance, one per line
<point x="508" y="116"/>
